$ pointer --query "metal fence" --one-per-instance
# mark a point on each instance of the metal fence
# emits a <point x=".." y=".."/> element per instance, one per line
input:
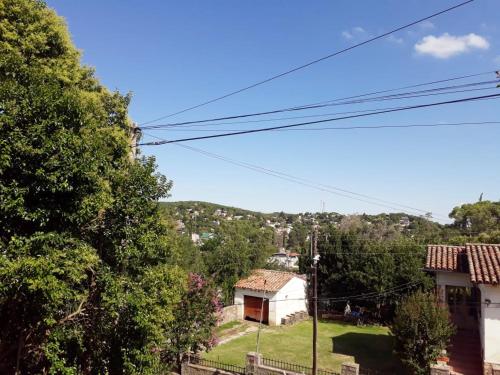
<point x="367" y="371"/>
<point x="294" y="367"/>
<point x="195" y="360"/>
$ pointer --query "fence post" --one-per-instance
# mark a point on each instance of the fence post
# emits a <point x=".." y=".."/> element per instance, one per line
<point x="439" y="369"/>
<point x="253" y="360"/>
<point x="349" y="368"/>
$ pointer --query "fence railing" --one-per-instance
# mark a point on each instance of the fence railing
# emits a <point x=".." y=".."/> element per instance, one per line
<point x="294" y="367"/>
<point x="367" y="371"/>
<point x="195" y="360"/>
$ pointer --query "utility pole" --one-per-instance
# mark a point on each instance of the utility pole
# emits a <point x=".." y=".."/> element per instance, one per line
<point x="134" y="136"/>
<point x="315" y="258"/>
<point x="261" y="318"/>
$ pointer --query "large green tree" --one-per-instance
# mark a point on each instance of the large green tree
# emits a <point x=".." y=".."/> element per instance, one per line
<point x="377" y="272"/>
<point x="478" y="221"/>
<point x="86" y="277"/>
<point x="237" y="248"/>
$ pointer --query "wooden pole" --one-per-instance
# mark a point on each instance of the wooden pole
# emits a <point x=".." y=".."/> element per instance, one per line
<point x="315" y="303"/>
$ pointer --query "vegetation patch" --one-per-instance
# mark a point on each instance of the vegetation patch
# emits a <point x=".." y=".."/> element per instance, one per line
<point x="370" y="346"/>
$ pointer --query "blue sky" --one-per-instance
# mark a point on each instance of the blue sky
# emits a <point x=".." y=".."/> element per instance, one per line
<point x="172" y="55"/>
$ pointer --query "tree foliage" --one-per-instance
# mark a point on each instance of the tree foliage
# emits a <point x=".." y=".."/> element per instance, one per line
<point x="237" y="248"/>
<point x="350" y="265"/>
<point x="480" y="220"/>
<point x="88" y="282"/>
<point x="195" y="319"/>
<point x="422" y="330"/>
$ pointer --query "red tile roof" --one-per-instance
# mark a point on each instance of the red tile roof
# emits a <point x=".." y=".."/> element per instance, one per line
<point x="446" y="258"/>
<point x="484" y="263"/>
<point x="266" y="280"/>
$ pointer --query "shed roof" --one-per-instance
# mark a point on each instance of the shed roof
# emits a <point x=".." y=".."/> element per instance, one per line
<point x="266" y="280"/>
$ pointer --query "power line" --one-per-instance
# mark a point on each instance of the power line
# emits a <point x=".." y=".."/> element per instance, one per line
<point x="433" y="125"/>
<point x="300" y="181"/>
<point x="329" y="103"/>
<point x="462" y="100"/>
<point x="312" y="62"/>
<point x="305" y="182"/>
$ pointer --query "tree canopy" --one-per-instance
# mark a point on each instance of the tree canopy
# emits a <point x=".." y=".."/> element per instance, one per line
<point x="480" y="220"/>
<point x="88" y="274"/>
<point x="350" y="265"/>
<point x="237" y="248"/>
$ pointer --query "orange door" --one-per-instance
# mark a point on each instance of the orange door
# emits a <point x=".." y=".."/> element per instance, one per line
<point x="253" y="307"/>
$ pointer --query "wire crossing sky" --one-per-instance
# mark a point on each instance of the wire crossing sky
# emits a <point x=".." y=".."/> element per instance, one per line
<point x="172" y="56"/>
<point x="300" y="67"/>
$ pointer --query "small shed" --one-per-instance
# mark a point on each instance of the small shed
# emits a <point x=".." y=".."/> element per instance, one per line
<point x="272" y="295"/>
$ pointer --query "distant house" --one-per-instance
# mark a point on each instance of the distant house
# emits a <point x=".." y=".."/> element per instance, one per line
<point x="289" y="260"/>
<point x="180" y="226"/>
<point x="205" y="236"/>
<point x="272" y="295"/>
<point x="195" y="237"/>
<point x="468" y="283"/>
<point x="404" y="222"/>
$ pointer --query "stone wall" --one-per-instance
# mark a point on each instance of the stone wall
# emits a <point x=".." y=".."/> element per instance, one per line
<point x="440" y="369"/>
<point x="254" y="366"/>
<point x="229" y="314"/>
<point x="491" y="368"/>
<point x="192" y="369"/>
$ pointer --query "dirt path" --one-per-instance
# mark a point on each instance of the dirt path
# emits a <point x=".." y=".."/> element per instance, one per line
<point x="244" y="329"/>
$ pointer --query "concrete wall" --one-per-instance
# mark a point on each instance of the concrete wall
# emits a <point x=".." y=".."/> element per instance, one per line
<point x="453" y="279"/>
<point x="490" y="328"/>
<point x="239" y="297"/>
<point x="254" y="366"/>
<point x="191" y="369"/>
<point x="290" y="299"/>
<point x="229" y="314"/>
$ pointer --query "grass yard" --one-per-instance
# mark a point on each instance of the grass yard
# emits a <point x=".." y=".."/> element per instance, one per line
<point x="369" y="346"/>
<point x="222" y="330"/>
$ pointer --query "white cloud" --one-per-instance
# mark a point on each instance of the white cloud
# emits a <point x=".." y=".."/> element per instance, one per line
<point x="353" y="33"/>
<point x="347" y="35"/>
<point x="446" y="45"/>
<point x="394" y="39"/>
<point x="426" y="25"/>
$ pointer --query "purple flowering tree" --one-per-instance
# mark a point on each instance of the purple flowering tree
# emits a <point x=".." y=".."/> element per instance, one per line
<point x="195" y="319"/>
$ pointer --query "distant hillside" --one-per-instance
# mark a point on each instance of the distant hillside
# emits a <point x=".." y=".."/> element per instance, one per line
<point x="291" y="230"/>
<point x="207" y="207"/>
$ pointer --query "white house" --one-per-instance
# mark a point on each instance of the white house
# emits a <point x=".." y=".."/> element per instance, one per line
<point x="467" y="280"/>
<point x="289" y="260"/>
<point x="272" y="295"/>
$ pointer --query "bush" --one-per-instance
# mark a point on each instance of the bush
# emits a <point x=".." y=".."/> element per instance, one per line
<point x="421" y="329"/>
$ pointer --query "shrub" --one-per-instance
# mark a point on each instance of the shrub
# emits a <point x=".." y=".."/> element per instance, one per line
<point x="422" y="329"/>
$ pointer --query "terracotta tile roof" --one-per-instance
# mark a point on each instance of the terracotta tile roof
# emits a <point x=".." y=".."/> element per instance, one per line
<point x="446" y="258"/>
<point x="484" y="263"/>
<point x="266" y="280"/>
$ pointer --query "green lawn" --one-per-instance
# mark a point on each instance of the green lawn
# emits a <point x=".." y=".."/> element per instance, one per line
<point x="371" y="346"/>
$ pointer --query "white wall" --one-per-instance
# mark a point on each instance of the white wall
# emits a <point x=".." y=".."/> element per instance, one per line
<point x="239" y="297"/>
<point x="291" y="298"/>
<point x="453" y="279"/>
<point x="288" y="300"/>
<point x="490" y="327"/>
